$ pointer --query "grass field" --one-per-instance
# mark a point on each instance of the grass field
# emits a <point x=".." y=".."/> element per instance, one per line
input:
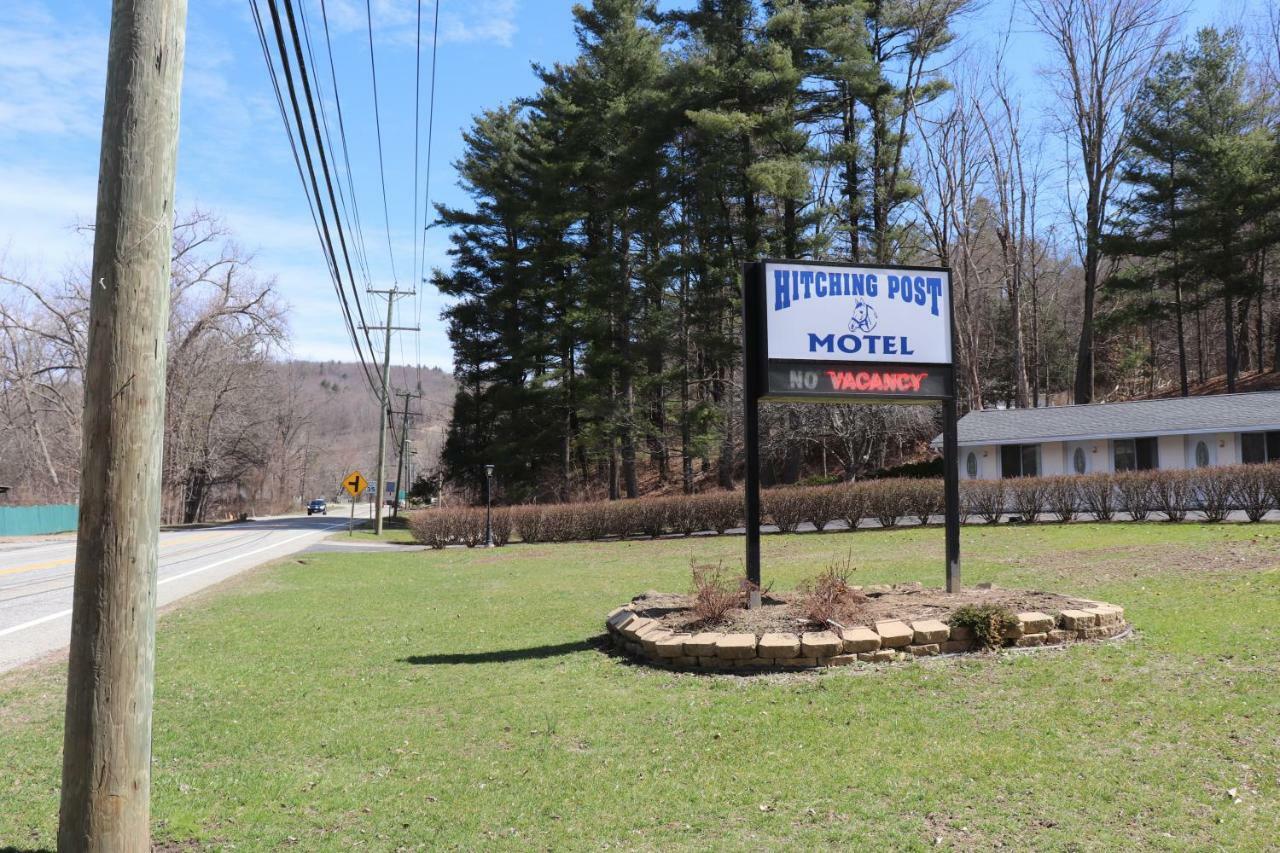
<point x="454" y="699"/>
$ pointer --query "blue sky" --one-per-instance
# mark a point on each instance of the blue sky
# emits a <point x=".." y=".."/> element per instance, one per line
<point x="234" y="158"/>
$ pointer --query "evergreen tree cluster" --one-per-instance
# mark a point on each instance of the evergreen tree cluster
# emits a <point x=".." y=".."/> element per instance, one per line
<point x="596" y="277"/>
<point x="1194" y="236"/>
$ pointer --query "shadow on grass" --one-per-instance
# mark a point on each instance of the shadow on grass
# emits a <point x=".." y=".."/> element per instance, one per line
<point x="26" y="850"/>
<point x="504" y="655"/>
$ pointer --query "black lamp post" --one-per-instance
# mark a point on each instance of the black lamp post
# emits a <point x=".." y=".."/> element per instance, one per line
<point x="488" y="506"/>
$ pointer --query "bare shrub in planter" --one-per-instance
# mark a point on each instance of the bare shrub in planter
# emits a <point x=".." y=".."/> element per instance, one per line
<point x="721" y="511"/>
<point x="888" y="501"/>
<point x="1172" y="493"/>
<point x="1062" y="496"/>
<point x="1098" y="494"/>
<point x="785" y="507"/>
<point x="926" y="499"/>
<point x="984" y="498"/>
<point x="850" y="503"/>
<point x="1216" y="488"/>
<point x="1028" y="496"/>
<point x="1255" y="493"/>
<point x="828" y="597"/>
<point x="1135" y="493"/>
<point x="715" y="592"/>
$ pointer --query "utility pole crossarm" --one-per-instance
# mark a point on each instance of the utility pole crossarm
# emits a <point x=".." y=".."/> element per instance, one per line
<point x="385" y="402"/>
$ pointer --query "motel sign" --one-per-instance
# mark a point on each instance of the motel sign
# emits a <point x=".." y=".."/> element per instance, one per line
<point x="830" y="333"/>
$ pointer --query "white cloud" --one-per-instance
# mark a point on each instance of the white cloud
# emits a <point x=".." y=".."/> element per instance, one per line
<point x="479" y="21"/>
<point x="52" y="75"/>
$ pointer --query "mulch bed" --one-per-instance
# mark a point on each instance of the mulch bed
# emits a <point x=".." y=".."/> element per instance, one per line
<point x="782" y="612"/>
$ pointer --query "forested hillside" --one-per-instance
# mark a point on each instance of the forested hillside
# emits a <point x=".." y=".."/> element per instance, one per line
<point x="1119" y="241"/>
<point x="246" y="429"/>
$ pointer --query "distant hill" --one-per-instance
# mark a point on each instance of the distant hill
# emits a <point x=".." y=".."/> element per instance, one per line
<point x="342" y="415"/>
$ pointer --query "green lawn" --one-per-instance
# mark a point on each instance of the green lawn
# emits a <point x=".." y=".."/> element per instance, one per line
<point x="454" y="699"/>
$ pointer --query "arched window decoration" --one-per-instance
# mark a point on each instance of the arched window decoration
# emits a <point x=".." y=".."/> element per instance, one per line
<point x="1202" y="455"/>
<point x="1078" y="460"/>
<point x="971" y="466"/>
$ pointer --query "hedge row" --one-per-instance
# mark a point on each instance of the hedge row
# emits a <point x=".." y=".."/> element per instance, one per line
<point x="1255" y="489"/>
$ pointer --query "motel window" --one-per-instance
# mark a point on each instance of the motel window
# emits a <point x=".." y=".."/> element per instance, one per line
<point x="1259" y="447"/>
<point x="1136" y="454"/>
<point x="971" y="466"/>
<point x="1020" y="460"/>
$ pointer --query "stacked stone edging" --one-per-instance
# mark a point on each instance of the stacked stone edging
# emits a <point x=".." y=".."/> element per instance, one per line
<point x="646" y="640"/>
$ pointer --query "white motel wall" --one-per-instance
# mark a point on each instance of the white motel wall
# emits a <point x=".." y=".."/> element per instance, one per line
<point x="1173" y="433"/>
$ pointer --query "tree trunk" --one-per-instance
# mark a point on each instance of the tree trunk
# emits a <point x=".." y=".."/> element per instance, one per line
<point x="1182" y="340"/>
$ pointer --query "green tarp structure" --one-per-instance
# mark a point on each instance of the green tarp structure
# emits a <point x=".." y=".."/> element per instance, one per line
<point x="35" y="520"/>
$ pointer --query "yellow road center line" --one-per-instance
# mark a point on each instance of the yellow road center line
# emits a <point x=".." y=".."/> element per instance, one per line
<point x="68" y="561"/>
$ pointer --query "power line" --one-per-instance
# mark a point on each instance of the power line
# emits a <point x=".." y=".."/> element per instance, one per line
<point x="377" y="123"/>
<point x="299" y="140"/>
<point x="426" y="197"/>
<point x="324" y="160"/>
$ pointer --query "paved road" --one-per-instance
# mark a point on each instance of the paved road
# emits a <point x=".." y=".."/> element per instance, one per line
<point x="36" y="575"/>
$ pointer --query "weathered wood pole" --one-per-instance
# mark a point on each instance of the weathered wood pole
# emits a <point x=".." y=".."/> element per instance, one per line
<point x="106" y="760"/>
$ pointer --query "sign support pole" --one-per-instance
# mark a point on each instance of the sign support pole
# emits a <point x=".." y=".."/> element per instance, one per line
<point x="751" y="389"/>
<point x="951" y="487"/>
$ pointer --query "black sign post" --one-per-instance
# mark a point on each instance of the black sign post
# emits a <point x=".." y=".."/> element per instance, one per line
<point x="835" y="375"/>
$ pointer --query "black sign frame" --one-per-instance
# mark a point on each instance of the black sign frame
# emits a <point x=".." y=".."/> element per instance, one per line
<point x="756" y="387"/>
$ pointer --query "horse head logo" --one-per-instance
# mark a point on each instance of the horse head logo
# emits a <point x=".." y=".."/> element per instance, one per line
<point x="864" y="317"/>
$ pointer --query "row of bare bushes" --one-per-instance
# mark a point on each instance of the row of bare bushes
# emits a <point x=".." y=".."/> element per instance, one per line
<point x="1140" y="495"/>
<point x="1213" y="492"/>
<point x="442" y="527"/>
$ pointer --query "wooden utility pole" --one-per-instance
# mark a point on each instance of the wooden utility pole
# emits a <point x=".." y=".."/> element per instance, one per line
<point x="385" y="402"/>
<point x="404" y="441"/>
<point x="106" y="758"/>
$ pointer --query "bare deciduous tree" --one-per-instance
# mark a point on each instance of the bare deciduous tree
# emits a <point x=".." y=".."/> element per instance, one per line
<point x="1102" y="51"/>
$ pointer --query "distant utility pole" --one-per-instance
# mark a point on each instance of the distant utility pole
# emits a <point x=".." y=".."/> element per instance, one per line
<point x="106" y="753"/>
<point x="385" y="403"/>
<point x="404" y="441"/>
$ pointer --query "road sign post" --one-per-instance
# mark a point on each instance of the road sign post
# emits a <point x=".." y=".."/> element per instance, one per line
<point x="837" y="333"/>
<point x="355" y="484"/>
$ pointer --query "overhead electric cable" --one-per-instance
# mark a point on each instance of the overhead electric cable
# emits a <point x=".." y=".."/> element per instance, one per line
<point x="324" y="160"/>
<point x="315" y="199"/>
<point x="420" y="270"/>
<point x="377" y="123"/>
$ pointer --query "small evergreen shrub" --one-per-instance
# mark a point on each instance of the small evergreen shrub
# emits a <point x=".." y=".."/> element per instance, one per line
<point x="988" y="622"/>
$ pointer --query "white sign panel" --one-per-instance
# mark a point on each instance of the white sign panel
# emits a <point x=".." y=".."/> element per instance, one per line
<point x="826" y="312"/>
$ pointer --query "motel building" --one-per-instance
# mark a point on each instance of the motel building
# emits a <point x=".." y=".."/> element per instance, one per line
<point x="1176" y="432"/>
